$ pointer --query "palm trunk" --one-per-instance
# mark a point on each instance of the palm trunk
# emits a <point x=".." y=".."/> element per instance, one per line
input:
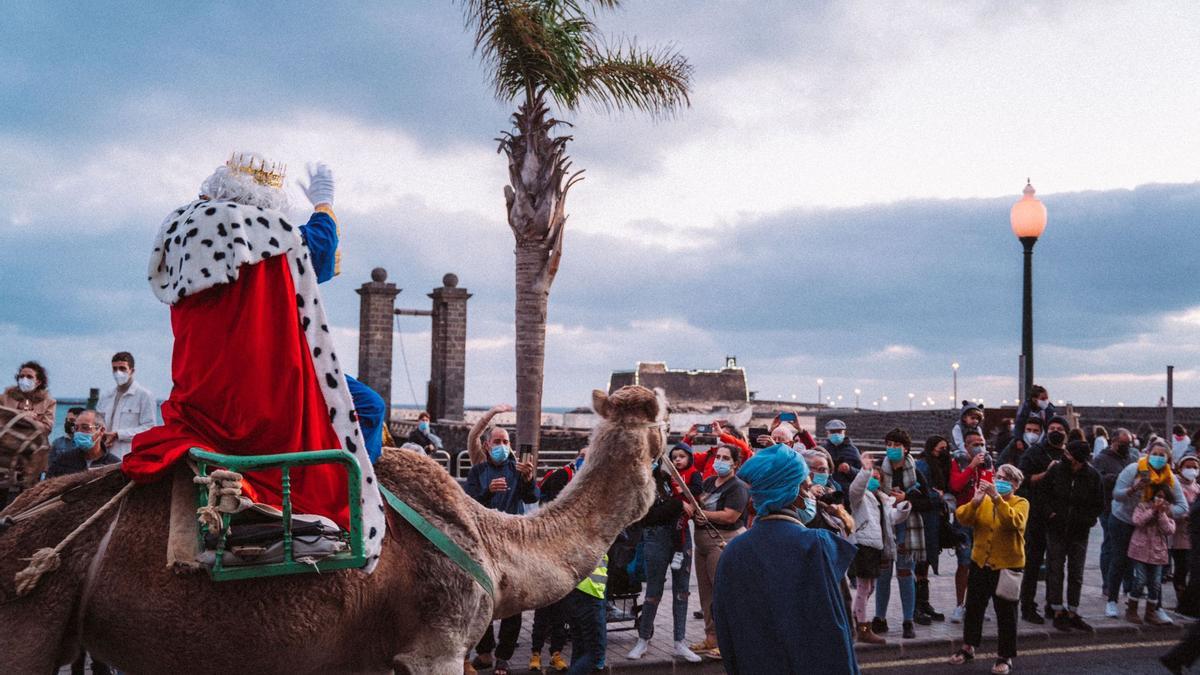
<point x="532" y="298"/>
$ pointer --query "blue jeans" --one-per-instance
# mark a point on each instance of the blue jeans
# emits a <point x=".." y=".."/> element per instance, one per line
<point x="1147" y="582"/>
<point x="658" y="544"/>
<point x="1119" y="534"/>
<point x="908" y="586"/>
<point x="585" y="614"/>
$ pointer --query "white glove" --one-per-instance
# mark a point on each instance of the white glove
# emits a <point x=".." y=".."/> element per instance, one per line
<point x="320" y="185"/>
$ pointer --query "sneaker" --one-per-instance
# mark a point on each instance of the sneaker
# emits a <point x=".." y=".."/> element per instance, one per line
<point x="1062" y="621"/>
<point x="535" y="662"/>
<point x="879" y="626"/>
<point x="1078" y="623"/>
<point x="682" y="651"/>
<point x="677" y="561"/>
<point x="1029" y="613"/>
<point x="639" y="650"/>
<point x="909" y="633"/>
<point x="957" y="615"/>
<point x="502" y="666"/>
<point x="1111" y="610"/>
<point x="557" y="662"/>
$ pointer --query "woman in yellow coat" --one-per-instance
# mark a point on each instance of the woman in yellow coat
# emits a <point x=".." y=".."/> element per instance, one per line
<point x="998" y="517"/>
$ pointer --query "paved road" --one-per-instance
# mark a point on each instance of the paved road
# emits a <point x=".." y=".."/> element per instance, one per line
<point x="1126" y="658"/>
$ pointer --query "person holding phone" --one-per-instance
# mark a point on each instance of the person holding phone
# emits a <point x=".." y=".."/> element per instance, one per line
<point x="1036" y="464"/>
<point x="847" y="460"/>
<point x="967" y="471"/>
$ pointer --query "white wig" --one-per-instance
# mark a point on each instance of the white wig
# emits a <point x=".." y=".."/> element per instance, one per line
<point x="226" y="185"/>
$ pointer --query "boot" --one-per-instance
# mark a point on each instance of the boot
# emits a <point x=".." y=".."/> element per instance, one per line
<point x="1156" y="617"/>
<point x="865" y="636"/>
<point x="1131" y="612"/>
<point x="923" y="605"/>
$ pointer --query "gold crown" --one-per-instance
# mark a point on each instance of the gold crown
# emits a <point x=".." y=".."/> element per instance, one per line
<point x="264" y="174"/>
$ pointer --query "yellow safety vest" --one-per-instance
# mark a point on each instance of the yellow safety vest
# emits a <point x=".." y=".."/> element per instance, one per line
<point x="596" y="582"/>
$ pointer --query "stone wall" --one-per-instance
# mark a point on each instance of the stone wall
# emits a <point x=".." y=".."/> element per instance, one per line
<point x="448" y="357"/>
<point x="376" y="313"/>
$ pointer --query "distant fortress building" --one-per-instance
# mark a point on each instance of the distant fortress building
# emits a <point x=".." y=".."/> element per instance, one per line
<point x="695" y="387"/>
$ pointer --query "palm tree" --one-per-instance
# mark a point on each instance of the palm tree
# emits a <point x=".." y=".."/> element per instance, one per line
<point x="537" y="51"/>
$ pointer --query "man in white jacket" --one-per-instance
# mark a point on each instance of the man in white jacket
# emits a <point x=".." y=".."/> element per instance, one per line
<point x="128" y="408"/>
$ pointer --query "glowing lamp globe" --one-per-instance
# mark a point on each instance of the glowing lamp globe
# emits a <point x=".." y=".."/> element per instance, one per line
<point x="1028" y="215"/>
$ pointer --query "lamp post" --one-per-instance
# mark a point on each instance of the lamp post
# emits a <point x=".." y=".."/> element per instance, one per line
<point x="819" y="383"/>
<point x="857" y="393"/>
<point x="1028" y="218"/>
<point x="911" y="396"/>
<point x="955" y="399"/>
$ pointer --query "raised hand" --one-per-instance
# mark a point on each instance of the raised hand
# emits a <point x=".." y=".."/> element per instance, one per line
<point x="320" y="185"/>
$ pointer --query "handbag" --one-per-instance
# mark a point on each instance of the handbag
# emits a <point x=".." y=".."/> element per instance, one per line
<point x="1008" y="587"/>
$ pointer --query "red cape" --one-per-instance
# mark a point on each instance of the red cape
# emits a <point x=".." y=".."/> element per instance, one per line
<point x="244" y="384"/>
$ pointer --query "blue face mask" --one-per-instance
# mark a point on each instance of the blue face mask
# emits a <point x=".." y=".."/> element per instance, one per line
<point x="820" y="479"/>
<point x="499" y="453"/>
<point x="423" y="426"/>
<point x="578" y="463"/>
<point x="1003" y="488"/>
<point x="722" y="467"/>
<point x="873" y="484"/>
<point x="837" y="439"/>
<point x="1157" y="461"/>
<point x="654" y="465"/>
<point x="895" y="454"/>
<point x="83" y="441"/>
<point x="809" y="511"/>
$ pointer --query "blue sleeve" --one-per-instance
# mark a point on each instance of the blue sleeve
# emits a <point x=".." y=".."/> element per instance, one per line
<point x="474" y="486"/>
<point x="320" y="235"/>
<point x="840" y="552"/>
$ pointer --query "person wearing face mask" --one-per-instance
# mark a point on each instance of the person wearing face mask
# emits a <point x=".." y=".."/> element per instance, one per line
<point x="1030" y="436"/>
<point x="935" y="465"/>
<point x="776" y="603"/>
<point x="88" y="449"/>
<point x="900" y="478"/>
<point x="998" y="517"/>
<point x="128" y="408"/>
<point x="970" y="418"/>
<point x="1074" y="500"/>
<point x="876" y="514"/>
<point x="1187" y="470"/>
<point x="506" y="485"/>
<point x="1111" y="461"/>
<point x="967" y="471"/>
<point x="31" y="396"/>
<point x="847" y="460"/>
<point x="65" y="444"/>
<point x="1041" y="408"/>
<point x="723" y="500"/>
<point x="423" y="435"/>
<point x="1035" y="464"/>
<point x="1133" y="486"/>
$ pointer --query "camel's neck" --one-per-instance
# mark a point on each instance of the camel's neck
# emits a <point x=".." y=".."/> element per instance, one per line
<point x="542" y="557"/>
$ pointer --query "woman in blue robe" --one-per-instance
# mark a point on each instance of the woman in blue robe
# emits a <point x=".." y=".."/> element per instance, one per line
<point x="776" y="601"/>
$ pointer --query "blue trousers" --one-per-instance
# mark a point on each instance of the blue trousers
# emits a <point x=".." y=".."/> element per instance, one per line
<point x="904" y="578"/>
<point x="1120" y="568"/>
<point x="658" y="549"/>
<point x="585" y="614"/>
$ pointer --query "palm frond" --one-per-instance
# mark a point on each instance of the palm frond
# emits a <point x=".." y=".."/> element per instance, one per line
<point x="631" y="78"/>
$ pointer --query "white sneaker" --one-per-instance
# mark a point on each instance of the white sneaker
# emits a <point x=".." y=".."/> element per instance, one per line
<point x="682" y="651"/>
<point x="677" y="560"/>
<point x="957" y="615"/>
<point x="1163" y="617"/>
<point x="639" y="649"/>
<point x="1111" y="611"/>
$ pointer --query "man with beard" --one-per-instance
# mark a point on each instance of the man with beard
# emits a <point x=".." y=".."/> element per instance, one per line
<point x="1110" y="462"/>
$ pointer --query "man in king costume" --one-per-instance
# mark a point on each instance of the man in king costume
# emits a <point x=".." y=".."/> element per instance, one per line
<point x="254" y="368"/>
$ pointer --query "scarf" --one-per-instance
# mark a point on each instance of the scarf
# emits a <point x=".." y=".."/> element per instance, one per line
<point x="1165" y="477"/>
<point x="914" y="526"/>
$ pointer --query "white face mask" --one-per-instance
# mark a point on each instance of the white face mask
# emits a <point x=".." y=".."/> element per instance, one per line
<point x="1043" y="403"/>
<point x="1190" y="473"/>
<point x="1032" y="437"/>
<point x="26" y="384"/>
<point x="121" y="377"/>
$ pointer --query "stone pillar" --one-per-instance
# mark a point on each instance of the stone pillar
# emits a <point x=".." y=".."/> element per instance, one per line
<point x="448" y="357"/>
<point x="375" y="317"/>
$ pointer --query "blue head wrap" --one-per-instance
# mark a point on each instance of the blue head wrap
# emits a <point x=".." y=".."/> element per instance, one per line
<point x="774" y="475"/>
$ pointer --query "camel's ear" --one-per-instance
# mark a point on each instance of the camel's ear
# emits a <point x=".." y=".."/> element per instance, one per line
<point x="600" y="403"/>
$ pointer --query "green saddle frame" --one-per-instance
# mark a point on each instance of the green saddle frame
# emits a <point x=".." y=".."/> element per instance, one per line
<point x="353" y="558"/>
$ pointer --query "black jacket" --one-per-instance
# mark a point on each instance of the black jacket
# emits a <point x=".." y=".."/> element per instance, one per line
<point x="1110" y="464"/>
<point x="666" y="509"/>
<point x="1074" y="499"/>
<point x="67" y="459"/>
<point x="1036" y="460"/>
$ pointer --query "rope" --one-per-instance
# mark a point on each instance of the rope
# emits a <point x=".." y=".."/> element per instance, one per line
<point x="224" y="496"/>
<point x="47" y="560"/>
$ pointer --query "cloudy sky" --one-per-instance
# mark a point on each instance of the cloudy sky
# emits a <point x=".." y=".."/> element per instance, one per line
<point x="833" y="205"/>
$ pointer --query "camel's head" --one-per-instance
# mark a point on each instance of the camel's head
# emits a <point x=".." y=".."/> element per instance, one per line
<point x="635" y="407"/>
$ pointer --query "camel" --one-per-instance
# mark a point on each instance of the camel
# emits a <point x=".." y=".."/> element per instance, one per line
<point x="417" y="613"/>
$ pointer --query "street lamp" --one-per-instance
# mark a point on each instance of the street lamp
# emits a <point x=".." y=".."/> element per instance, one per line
<point x="1028" y="218"/>
<point x="911" y="396"/>
<point x="819" y="383"/>
<point x="955" y="367"/>
<point x="857" y="392"/>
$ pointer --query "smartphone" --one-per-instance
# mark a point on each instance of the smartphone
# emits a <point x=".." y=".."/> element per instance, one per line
<point x="704" y="428"/>
<point x="787" y="417"/>
<point x="525" y="451"/>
